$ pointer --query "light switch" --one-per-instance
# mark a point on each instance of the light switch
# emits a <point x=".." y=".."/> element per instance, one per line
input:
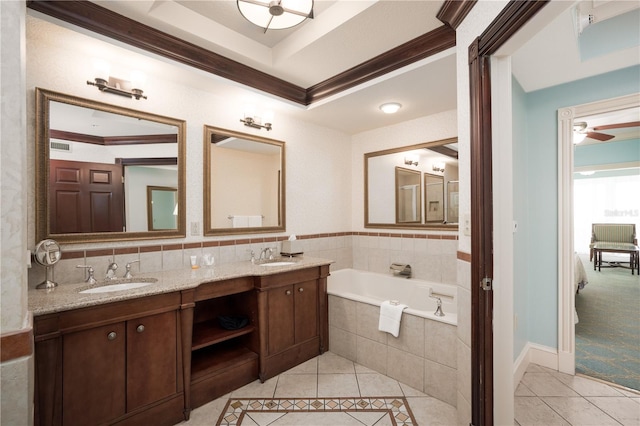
<point x="466" y="224"/>
<point x="195" y="228"/>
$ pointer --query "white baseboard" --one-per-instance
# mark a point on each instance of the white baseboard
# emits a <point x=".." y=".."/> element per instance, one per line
<point x="536" y="354"/>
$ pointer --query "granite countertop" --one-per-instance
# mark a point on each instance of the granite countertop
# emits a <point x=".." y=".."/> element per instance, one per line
<point x="65" y="297"/>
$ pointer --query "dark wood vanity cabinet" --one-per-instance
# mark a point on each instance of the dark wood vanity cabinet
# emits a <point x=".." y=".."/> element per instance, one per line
<point x="293" y="318"/>
<point x="117" y="363"/>
<point x="151" y="360"/>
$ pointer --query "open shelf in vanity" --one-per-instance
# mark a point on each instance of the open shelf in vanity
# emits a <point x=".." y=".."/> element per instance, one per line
<point x="222" y="359"/>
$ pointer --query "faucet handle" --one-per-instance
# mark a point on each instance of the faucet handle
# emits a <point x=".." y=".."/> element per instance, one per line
<point x="90" y="279"/>
<point x="253" y="255"/>
<point x="127" y="274"/>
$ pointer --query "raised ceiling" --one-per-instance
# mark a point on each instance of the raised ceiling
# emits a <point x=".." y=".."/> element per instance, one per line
<point x="336" y="69"/>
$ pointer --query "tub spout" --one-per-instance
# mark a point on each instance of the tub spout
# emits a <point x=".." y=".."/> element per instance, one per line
<point x="401" y="269"/>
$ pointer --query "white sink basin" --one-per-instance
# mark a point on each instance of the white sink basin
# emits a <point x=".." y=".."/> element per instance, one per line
<point x="284" y="263"/>
<point x="118" y="287"/>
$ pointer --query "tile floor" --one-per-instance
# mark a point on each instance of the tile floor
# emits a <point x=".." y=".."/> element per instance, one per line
<point x="543" y="397"/>
<point x="547" y="397"/>
<point x="329" y="375"/>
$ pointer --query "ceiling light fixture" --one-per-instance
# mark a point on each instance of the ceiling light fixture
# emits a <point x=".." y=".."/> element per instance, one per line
<point x="579" y="132"/>
<point x="390" y="107"/>
<point x="276" y="14"/>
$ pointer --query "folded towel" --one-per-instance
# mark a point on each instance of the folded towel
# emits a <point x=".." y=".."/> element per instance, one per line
<point x="390" y="316"/>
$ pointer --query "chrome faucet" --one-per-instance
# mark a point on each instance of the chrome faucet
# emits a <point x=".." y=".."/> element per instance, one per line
<point x="111" y="271"/>
<point x="401" y="269"/>
<point x="438" y="311"/>
<point x="266" y="253"/>
<point x="127" y="274"/>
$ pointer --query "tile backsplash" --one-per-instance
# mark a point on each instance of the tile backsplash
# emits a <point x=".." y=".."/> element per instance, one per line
<point x="432" y="257"/>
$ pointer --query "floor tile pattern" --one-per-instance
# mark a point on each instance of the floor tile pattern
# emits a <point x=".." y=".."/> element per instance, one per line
<point x="395" y="410"/>
<point x="547" y="397"/>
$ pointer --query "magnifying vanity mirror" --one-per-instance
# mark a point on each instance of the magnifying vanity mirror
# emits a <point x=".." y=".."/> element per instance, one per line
<point x="95" y="165"/>
<point x="412" y="187"/>
<point x="244" y="183"/>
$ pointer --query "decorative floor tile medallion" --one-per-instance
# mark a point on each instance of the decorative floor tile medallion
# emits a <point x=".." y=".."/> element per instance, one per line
<point x="397" y="408"/>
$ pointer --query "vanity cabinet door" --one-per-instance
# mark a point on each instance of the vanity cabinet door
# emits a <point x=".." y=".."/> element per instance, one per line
<point x="151" y="359"/>
<point x="93" y="379"/>
<point x="306" y="311"/>
<point x="281" y="332"/>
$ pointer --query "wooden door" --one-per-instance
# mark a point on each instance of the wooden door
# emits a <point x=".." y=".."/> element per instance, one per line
<point x="93" y="378"/>
<point x="152" y="372"/>
<point x="306" y="311"/>
<point x="85" y="197"/>
<point x="280" y="316"/>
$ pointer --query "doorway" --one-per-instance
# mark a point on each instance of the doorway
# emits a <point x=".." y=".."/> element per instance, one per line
<point x="566" y="260"/>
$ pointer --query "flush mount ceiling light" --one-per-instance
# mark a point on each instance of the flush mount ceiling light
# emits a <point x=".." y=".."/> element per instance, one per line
<point x="390" y="107"/>
<point x="276" y="14"/>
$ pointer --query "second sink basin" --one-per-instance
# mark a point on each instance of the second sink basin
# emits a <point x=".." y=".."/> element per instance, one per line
<point x="118" y="287"/>
<point x="282" y="263"/>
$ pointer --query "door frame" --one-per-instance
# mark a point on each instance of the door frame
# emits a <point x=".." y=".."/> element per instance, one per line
<point x="508" y="22"/>
<point x="566" y="291"/>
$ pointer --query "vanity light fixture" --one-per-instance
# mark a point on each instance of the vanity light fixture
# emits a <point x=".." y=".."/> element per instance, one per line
<point x="390" y="107"/>
<point x="276" y="14"/>
<point x="411" y="160"/>
<point x="252" y="120"/>
<point x="105" y="83"/>
<point x="438" y="167"/>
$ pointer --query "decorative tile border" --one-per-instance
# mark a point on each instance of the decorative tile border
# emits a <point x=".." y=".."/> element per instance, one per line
<point x="69" y="254"/>
<point x="397" y="407"/>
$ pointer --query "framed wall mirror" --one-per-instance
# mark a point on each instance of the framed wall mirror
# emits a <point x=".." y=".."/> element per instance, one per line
<point x="433" y="167"/>
<point x="94" y="163"/>
<point x="244" y="183"/>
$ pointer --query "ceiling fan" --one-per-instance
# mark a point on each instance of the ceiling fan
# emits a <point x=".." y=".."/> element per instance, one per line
<point x="581" y="130"/>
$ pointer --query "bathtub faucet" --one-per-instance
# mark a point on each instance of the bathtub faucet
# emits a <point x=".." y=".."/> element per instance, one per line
<point x="438" y="311"/>
<point x="401" y="269"/>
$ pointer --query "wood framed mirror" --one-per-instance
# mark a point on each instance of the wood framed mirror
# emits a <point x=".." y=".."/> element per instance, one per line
<point x="94" y="162"/>
<point x="244" y="183"/>
<point x="435" y="164"/>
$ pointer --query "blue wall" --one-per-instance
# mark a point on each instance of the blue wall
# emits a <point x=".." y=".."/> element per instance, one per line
<point x="607" y="153"/>
<point x="539" y="185"/>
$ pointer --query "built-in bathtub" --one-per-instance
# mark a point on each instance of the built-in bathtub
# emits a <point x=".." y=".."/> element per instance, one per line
<point x="423" y="355"/>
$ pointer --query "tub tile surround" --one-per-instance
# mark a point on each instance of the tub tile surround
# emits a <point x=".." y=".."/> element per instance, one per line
<point x="423" y="355"/>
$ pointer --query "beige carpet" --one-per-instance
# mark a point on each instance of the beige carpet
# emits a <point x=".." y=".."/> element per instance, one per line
<point x="316" y="411"/>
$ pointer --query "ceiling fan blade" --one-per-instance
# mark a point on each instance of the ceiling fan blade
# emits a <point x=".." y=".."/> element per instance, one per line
<point x="599" y="136"/>
<point x="618" y="125"/>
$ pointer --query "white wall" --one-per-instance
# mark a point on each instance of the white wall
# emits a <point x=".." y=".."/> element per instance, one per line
<point x="16" y="391"/>
<point x="318" y="175"/>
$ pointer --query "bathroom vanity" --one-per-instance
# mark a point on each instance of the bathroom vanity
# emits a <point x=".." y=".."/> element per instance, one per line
<point x="150" y="355"/>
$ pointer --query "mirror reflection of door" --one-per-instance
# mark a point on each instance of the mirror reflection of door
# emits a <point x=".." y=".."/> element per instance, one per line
<point x="162" y="208"/>
<point x="452" y="200"/>
<point x="408" y="196"/>
<point x="85" y="197"/>
<point x="434" y="198"/>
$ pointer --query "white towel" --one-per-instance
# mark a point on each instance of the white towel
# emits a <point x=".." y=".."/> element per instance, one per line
<point x="255" y="221"/>
<point x="390" y="316"/>
<point x="238" y="221"/>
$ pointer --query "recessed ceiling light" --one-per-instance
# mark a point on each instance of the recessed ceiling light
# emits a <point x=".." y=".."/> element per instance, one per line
<point x="390" y="107"/>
